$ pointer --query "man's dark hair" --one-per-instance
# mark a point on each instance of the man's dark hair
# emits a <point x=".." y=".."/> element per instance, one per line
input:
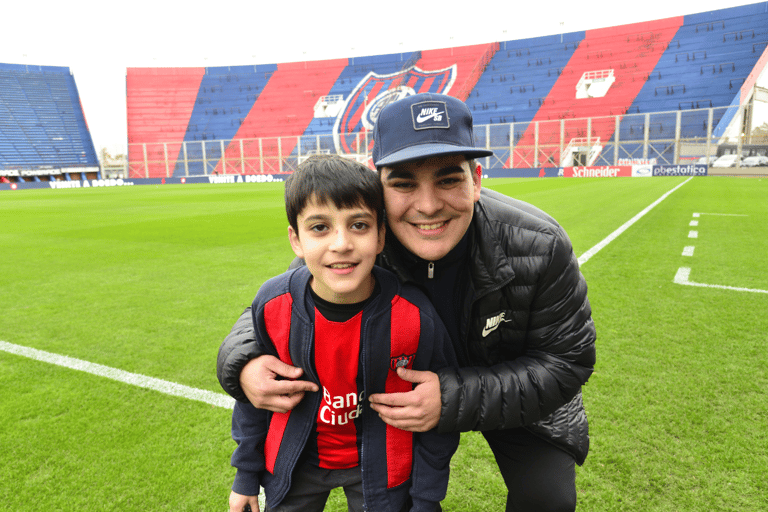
<point x="344" y="182"/>
<point x="472" y="166"/>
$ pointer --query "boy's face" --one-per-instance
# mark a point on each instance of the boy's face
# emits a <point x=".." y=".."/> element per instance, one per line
<point x="430" y="203"/>
<point x="339" y="247"/>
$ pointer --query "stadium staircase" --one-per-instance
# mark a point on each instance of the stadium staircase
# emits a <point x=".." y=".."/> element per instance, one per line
<point x="42" y="124"/>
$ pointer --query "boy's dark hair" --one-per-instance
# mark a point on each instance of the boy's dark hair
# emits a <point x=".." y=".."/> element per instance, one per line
<point x="344" y="182"/>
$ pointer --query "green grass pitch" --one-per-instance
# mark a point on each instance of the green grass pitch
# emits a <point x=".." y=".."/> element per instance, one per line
<point x="150" y="279"/>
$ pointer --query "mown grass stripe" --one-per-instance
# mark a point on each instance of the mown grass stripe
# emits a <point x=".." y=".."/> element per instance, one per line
<point x="613" y="236"/>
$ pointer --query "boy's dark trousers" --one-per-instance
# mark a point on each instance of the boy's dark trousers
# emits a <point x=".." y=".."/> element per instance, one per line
<point x="311" y="486"/>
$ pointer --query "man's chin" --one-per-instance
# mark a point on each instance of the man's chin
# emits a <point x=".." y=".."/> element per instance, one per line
<point x="428" y="250"/>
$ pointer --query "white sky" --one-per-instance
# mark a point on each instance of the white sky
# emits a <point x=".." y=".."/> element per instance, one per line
<point x="98" y="40"/>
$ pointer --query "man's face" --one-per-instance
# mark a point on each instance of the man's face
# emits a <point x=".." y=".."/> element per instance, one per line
<point x="430" y="202"/>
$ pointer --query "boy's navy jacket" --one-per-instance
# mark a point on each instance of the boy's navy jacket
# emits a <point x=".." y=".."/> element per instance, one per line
<point x="395" y="464"/>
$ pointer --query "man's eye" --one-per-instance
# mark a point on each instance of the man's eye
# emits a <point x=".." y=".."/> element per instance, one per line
<point x="403" y="184"/>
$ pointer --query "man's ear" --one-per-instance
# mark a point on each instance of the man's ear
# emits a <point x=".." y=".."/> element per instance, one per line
<point x="477" y="178"/>
<point x="293" y="237"/>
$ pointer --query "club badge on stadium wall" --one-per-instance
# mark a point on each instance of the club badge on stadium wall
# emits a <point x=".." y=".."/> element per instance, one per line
<point x="372" y="93"/>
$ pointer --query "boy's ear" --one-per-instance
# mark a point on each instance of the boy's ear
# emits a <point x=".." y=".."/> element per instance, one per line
<point x="382" y="238"/>
<point x="293" y="237"/>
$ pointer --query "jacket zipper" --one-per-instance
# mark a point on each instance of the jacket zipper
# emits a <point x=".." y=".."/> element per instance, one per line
<point x="431" y="270"/>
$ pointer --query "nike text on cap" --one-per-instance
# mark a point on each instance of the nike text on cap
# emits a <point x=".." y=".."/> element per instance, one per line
<point x="422" y="126"/>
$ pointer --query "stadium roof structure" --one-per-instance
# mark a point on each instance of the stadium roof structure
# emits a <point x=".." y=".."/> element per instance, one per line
<point x="214" y="116"/>
<point x="42" y="125"/>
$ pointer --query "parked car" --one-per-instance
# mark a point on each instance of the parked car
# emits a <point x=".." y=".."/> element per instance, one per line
<point x="755" y="161"/>
<point x="709" y="160"/>
<point x="725" y="161"/>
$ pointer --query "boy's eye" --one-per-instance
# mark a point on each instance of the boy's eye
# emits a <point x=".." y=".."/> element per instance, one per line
<point x="359" y="225"/>
<point x="318" y="228"/>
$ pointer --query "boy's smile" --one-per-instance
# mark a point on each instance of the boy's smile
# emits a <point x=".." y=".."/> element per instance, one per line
<point x="339" y="247"/>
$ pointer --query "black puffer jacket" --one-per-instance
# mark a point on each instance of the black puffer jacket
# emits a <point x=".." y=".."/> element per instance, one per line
<point x="530" y="340"/>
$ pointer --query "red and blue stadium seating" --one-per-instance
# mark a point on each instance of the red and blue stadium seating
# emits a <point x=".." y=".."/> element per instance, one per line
<point x="677" y="65"/>
<point x="42" y="124"/>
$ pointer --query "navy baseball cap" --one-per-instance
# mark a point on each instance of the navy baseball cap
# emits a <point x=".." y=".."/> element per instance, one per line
<point x="421" y="126"/>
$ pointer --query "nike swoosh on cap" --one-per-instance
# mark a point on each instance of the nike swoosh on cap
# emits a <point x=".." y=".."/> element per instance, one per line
<point x="421" y="119"/>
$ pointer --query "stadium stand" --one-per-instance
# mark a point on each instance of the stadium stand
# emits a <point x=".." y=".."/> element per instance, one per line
<point x="43" y="133"/>
<point x="575" y="98"/>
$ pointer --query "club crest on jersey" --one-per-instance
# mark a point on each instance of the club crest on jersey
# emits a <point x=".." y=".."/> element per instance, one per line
<point x="373" y="92"/>
<point x="402" y="361"/>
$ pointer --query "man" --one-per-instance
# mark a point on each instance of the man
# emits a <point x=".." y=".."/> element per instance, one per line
<point x="504" y="279"/>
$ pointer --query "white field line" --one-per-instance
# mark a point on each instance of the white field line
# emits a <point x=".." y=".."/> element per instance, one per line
<point x="610" y="238"/>
<point x="134" y="379"/>
<point x="683" y="277"/>
<point x="721" y="214"/>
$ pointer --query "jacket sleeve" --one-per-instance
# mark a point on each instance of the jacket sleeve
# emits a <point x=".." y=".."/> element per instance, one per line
<point x="432" y="451"/>
<point x="249" y="430"/>
<point x="558" y="359"/>
<point x="236" y="350"/>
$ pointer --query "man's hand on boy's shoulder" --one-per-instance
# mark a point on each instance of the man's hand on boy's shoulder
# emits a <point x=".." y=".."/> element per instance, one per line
<point x="240" y="503"/>
<point x="270" y="384"/>
<point x="417" y="410"/>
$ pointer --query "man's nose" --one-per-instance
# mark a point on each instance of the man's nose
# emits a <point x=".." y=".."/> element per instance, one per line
<point x="428" y="201"/>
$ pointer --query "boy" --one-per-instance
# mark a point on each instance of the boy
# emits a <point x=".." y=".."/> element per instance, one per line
<point x="349" y="326"/>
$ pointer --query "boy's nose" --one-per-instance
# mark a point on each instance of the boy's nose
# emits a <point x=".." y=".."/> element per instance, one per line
<point x="341" y="242"/>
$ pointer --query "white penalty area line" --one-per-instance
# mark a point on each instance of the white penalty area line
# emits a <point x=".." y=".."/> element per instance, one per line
<point x="683" y="277"/>
<point x="134" y="379"/>
<point x="613" y="236"/>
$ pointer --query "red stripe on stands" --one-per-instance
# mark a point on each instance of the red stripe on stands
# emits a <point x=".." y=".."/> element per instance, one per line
<point x="469" y="65"/>
<point x="640" y="45"/>
<point x="359" y="112"/>
<point x="159" y="103"/>
<point x="428" y="83"/>
<point x="284" y="109"/>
